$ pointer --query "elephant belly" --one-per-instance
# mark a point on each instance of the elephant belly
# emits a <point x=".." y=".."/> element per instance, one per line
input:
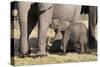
<point x="64" y="12"/>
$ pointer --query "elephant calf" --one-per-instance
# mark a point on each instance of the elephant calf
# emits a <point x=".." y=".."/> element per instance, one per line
<point x="74" y="32"/>
<point x="77" y="34"/>
<point x="58" y="26"/>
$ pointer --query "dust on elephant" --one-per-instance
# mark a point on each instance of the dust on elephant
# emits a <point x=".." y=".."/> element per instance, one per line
<point x="43" y="13"/>
<point x="78" y="35"/>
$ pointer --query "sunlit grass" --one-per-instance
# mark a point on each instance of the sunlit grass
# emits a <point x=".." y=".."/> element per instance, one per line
<point x="51" y="59"/>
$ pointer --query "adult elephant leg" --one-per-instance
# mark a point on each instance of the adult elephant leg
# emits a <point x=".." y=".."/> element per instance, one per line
<point x="44" y="21"/>
<point x="23" y="8"/>
<point x="31" y="21"/>
<point x="92" y="19"/>
<point x="92" y="24"/>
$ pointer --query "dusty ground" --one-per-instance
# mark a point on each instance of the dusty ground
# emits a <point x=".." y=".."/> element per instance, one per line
<point x="51" y="58"/>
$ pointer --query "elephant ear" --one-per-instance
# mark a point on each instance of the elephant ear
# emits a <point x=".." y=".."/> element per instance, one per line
<point x="43" y="6"/>
<point x="63" y="25"/>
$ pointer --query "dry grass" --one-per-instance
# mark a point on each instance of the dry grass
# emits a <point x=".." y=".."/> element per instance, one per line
<point x="52" y="59"/>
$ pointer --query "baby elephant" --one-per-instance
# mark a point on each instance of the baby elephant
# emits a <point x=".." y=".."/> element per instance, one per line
<point x="76" y="33"/>
<point x="59" y="27"/>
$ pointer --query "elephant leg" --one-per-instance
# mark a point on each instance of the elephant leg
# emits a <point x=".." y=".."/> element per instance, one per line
<point x="86" y="49"/>
<point x="92" y="24"/>
<point x="65" y="41"/>
<point x="77" y="47"/>
<point x="92" y="19"/>
<point x="23" y="8"/>
<point x="31" y="23"/>
<point x="32" y="19"/>
<point x="82" y="47"/>
<point x="44" y="21"/>
<point x="82" y="44"/>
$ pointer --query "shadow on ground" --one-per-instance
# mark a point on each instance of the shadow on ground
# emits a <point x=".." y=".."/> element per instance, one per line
<point x="33" y="44"/>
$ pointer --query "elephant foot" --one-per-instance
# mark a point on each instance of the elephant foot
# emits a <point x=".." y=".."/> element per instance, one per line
<point x="22" y="56"/>
<point x="81" y="52"/>
<point x="63" y="53"/>
<point x="25" y="55"/>
<point x="88" y="51"/>
<point x="39" y="54"/>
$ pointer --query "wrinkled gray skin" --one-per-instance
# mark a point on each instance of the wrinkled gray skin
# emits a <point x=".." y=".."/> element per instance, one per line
<point x="77" y="34"/>
<point x="74" y="32"/>
<point x="59" y="27"/>
<point x="30" y="14"/>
